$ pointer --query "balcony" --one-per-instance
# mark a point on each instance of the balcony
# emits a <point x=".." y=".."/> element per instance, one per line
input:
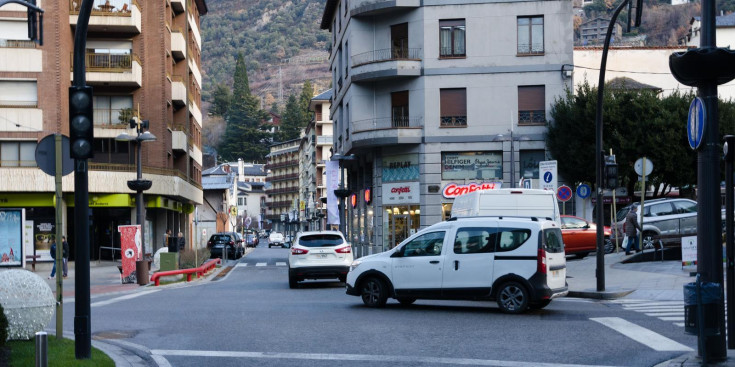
<point x="178" y="6"/>
<point x="178" y="45"/>
<point x="20" y="56"/>
<point x="385" y="64"/>
<point x="178" y="91"/>
<point x="112" y="117"/>
<point x="109" y="16"/>
<point x="383" y="131"/>
<point x="195" y="112"/>
<point x="289" y="176"/>
<point x="110" y="69"/>
<point x="283" y="190"/>
<point x="365" y="8"/>
<point x="289" y="163"/>
<point x="178" y="141"/>
<point x="15" y="117"/>
<point x="279" y="204"/>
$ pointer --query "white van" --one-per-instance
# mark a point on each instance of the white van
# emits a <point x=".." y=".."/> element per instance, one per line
<point x="507" y="202"/>
<point x="517" y="262"/>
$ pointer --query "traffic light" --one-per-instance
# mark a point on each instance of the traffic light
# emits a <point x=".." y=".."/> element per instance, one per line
<point x="81" y="126"/>
<point x="611" y="173"/>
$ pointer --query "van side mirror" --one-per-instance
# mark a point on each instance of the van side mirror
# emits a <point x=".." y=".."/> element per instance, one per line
<point x="398" y="253"/>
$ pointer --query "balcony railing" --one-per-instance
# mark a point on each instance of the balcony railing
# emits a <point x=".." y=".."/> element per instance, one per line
<point x="113" y="117"/>
<point x="18" y="104"/>
<point x="293" y="162"/>
<point x="17" y="44"/>
<point x="279" y="204"/>
<point x="532" y="117"/>
<point x="108" y="62"/>
<point x="290" y="176"/>
<point x="453" y="121"/>
<point x="389" y="54"/>
<point x="282" y="190"/>
<point x="119" y="8"/>
<point x="402" y="122"/>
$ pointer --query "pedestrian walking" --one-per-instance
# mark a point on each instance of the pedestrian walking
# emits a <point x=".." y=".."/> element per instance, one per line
<point x="171" y="241"/>
<point x="631" y="230"/>
<point x="65" y="256"/>
<point x="181" y="241"/>
<point x="52" y="252"/>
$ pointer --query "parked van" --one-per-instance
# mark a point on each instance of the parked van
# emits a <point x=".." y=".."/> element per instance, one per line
<point x="508" y="202"/>
<point x="518" y="262"/>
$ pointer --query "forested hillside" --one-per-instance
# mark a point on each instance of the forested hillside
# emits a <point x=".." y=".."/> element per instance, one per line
<point x="281" y="42"/>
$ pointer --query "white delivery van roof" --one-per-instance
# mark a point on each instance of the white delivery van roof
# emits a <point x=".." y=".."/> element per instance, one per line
<point x="507" y="202"/>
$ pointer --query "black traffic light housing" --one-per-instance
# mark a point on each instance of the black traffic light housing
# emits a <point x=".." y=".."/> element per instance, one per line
<point x="611" y="172"/>
<point x="81" y="124"/>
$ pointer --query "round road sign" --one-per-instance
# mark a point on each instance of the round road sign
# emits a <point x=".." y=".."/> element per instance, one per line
<point x="638" y="166"/>
<point x="696" y="123"/>
<point x="564" y="193"/>
<point x="583" y="191"/>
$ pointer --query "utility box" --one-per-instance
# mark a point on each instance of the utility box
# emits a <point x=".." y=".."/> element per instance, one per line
<point x="701" y="305"/>
<point x="169" y="261"/>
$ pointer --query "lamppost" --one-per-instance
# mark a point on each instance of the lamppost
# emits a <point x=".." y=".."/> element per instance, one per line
<point x="139" y="185"/>
<point x="512" y="153"/>
<point x="342" y="192"/>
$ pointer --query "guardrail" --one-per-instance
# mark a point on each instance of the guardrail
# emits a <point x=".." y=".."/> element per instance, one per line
<point x="206" y="267"/>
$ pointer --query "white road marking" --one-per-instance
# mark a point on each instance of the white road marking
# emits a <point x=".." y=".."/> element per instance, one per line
<point x="653" y="340"/>
<point x="672" y="318"/>
<point x="241" y="265"/>
<point x="280" y="263"/>
<point x="357" y="357"/>
<point x="658" y="314"/>
<point x="680" y="324"/>
<point x="261" y="264"/>
<point x="123" y="298"/>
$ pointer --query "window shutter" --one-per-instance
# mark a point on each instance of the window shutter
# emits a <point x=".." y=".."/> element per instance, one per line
<point x="531" y="98"/>
<point x="453" y="102"/>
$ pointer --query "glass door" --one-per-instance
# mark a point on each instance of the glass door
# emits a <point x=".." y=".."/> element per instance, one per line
<point x="400" y="225"/>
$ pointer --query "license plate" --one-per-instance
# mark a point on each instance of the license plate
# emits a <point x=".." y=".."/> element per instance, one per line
<point x="322" y="256"/>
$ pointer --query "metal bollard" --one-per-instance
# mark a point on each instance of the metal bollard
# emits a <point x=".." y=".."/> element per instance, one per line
<point x="41" y="349"/>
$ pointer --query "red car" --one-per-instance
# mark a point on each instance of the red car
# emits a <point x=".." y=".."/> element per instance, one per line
<point x="580" y="236"/>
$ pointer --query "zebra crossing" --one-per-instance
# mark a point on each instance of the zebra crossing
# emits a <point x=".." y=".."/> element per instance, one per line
<point x="260" y="264"/>
<point x="672" y="311"/>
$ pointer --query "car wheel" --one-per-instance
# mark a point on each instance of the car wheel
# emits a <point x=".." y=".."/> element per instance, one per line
<point x="406" y="301"/>
<point x="512" y="298"/>
<point x="292" y="281"/>
<point x="581" y="255"/>
<point x="609" y="246"/>
<point x="374" y="292"/>
<point x="540" y="304"/>
<point x="647" y="240"/>
<point x="269" y="245"/>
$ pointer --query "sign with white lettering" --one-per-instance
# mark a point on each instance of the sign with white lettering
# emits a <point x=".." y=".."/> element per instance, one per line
<point x="400" y="193"/>
<point x="453" y="190"/>
<point x="547" y="173"/>
<point x="472" y="165"/>
<point x="404" y="167"/>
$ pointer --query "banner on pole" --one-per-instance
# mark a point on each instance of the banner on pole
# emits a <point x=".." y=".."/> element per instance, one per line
<point x="332" y="184"/>
<point x="130" y="248"/>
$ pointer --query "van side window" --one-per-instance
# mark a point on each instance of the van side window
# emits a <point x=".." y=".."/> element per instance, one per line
<point x="552" y="240"/>
<point x="475" y="240"/>
<point x="428" y="244"/>
<point x="510" y="239"/>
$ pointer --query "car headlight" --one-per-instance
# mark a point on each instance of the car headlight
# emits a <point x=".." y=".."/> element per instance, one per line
<point x="355" y="264"/>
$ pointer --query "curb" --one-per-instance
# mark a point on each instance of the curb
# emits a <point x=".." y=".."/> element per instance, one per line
<point x="600" y="295"/>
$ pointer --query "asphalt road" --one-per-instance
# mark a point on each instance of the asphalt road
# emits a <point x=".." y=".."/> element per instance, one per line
<point x="250" y="317"/>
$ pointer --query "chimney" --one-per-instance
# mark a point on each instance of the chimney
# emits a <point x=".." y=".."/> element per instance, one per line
<point x="241" y="170"/>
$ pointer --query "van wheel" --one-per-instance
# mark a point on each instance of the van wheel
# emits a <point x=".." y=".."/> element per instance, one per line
<point x="540" y="304"/>
<point x="374" y="293"/>
<point x="512" y="298"/>
<point x="406" y="301"/>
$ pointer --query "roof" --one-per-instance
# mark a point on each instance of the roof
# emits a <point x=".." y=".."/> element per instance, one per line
<point x="216" y="170"/>
<point x="216" y="182"/>
<point x="722" y="20"/>
<point x="329" y="10"/>
<point x="628" y="83"/>
<point x="324" y="96"/>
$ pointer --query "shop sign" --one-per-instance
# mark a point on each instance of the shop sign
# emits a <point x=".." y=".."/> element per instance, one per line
<point x="472" y="165"/>
<point x="400" y="193"/>
<point x="453" y="190"/>
<point x="404" y="167"/>
<point x="27" y="200"/>
<point x="11" y="237"/>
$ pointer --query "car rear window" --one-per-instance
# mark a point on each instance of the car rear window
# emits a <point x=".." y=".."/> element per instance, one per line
<point x="552" y="240"/>
<point x="321" y="240"/>
<point x="220" y="237"/>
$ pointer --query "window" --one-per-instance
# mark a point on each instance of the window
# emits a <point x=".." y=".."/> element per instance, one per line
<point x="399" y="109"/>
<point x="452" y="38"/>
<point x="510" y="239"/>
<point x="18" y="93"/>
<point x="531" y="104"/>
<point x="347" y="59"/>
<point x="111" y="151"/>
<point x="112" y="110"/>
<point x="241" y="201"/>
<point x="399" y="41"/>
<point x="684" y="207"/>
<point x="658" y="210"/>
<point x="18" y="154"/>
<point x="429" y="244"/>
<point x="529" y="162"/>
<point x="453" y="107"/>
<point x="552" y="240"/>
<point x="572" y="223"/>
<point x="475" y="240"/>
<point x="318" y="113"/>
<point x="531" y="35"/>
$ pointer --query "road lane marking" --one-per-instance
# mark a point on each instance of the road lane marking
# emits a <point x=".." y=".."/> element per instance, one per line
<point x="261" y="264"/>
<point x="279" y="263"/>
<point x="653" y="340"/>
<point x="672" y="318"/>
<point x="241" y="265"/>
<point x="657" y="314"/>
<point x="122" y="298"/>
<point x="357" y="357"/>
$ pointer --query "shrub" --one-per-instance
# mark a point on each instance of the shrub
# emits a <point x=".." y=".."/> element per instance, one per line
<point x="3" y="327"/>
<point x="189" y="257"/>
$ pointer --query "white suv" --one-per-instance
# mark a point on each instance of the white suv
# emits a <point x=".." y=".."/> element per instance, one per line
<point x="319" y="255"/>
<point x="518" y="262"/>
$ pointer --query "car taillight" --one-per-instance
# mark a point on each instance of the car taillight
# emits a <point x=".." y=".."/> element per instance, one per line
<point x="541" y="261"/>
<point x="299" y="251"/>
<point x="344" y="250"/>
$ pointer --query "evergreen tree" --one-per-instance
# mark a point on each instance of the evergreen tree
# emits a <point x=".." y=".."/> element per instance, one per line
<point x="291" y="120"/>
<point x="307" y="93"/>
<point x="222" y="97"/>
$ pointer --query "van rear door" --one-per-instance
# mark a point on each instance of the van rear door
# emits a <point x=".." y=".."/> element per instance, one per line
<point x="555" y="260"/>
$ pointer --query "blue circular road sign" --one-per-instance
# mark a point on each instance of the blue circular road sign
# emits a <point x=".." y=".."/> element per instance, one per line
<point x="696" y="123"/>
<point x="583" y="191"/>
<point x="547" y="177"/>
<point x="564" y="193"/>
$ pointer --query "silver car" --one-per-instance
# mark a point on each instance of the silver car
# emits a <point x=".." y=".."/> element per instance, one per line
<point x="664" y="217"/>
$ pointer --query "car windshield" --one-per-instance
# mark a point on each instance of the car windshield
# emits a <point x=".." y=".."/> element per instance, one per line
<point x="321" y="240"/>
<point x="220" y="237"/>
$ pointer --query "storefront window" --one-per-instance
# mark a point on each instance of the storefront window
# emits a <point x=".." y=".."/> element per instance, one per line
<point x="472" y="165"/>
<point x="399" y="222"/>
<point x="529" y="162"/>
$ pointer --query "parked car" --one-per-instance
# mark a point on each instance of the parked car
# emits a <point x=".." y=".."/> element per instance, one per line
<point x="517" y="262"/>
<point x="251" y="240"/>
<point x="663" y="217"/>
<point x="276" y="239"/>
<point x="230" y="240"/>
<point x="319" y="255"/>
<point x="580" y="236"/>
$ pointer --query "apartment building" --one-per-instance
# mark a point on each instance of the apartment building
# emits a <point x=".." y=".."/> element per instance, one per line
<point x="314" y="151"/>
<point x="141" y="58"/>
<point x="432" y="96"/>
<point x="283" y="195"/>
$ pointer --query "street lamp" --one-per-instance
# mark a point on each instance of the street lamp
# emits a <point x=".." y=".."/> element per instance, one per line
<point x="512" y="153"/>
<point x="139" y="185"/>
<point x="342" y="192"/>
